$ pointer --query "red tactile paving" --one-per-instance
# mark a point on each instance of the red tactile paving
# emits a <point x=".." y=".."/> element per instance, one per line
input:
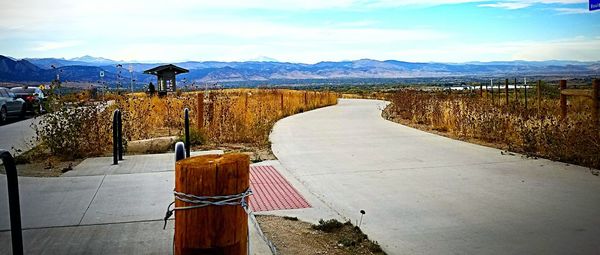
<point x="270" y="191"/>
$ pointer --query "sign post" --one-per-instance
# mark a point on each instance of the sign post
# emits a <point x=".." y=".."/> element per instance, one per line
<point x="594" y="5"/>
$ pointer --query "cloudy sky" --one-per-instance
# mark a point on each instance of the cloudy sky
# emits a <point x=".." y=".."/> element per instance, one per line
<point x="305" y="31"/>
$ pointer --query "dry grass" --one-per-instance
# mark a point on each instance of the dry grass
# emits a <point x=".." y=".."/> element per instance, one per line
<point x="532" y="131"/>
<point x="81" y="127"/>
<point x="230" y="116"/>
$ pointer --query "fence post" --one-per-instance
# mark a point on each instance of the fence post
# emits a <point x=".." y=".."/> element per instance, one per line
<point x="186" y="116"/>
<point x="115" y="132"/>
<point x="492" y="91"/>
<point x="14" y="204"/>
<point x="305" y="98"/>
<point x="481" y="90"/>
<point x="245" y="102"/>
<point x="596" y="102"/>
<point x="120" y="136"/>
<point x="281" y="103"/>
<point x="211" y="107"/>
<point x="539" y="95"/>
<point x="506" y="90"/>
<point x="516" y="94"/>
<point x="525" y="85"/>
<point x="200" y="111"/>
<point x="563" y="99"/>
<point x="214" y="229"/>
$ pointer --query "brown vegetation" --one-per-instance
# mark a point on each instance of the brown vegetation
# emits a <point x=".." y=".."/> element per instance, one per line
<point x="536" y="130"/>
<point x="79" y="126"/>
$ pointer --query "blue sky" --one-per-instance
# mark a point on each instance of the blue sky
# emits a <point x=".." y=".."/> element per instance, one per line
<point x="305" y="31"/>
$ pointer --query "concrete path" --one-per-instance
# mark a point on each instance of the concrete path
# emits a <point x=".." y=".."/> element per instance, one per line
<point x="426" y="194"/>
<point x="17" y="137"/>
<point x="148" y="163"/>
<point x="100" y="209"/>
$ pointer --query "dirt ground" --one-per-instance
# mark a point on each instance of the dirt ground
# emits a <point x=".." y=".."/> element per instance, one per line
<point x="292" y="236"/>
<point x="45" y="168"/>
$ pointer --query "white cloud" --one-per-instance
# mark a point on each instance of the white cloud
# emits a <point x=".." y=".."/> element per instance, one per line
<point x="566" y="11"/>
<point x="520" y="4"/>
<point x="47" y="46"/>
<point x="507" y="5"/>
<point x="579" y="48"/>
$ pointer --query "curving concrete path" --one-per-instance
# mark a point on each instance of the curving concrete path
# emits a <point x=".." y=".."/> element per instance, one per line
<point x="427" y="194"/>
<point x="19" y="136"/>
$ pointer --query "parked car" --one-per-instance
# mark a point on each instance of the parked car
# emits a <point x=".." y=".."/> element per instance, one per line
<point x="33" y="96"/>
<point x="10" y="105"/>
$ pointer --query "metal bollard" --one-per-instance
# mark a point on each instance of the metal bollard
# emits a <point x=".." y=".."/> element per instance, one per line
<point x="120" y="136"/>
<point x="186" y="113"/>
<point x="115" y="137"/>
<point x="13" y="201"/>
<point x="179" y="151"/>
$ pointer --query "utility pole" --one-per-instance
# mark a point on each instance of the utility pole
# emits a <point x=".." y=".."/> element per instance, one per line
<point x="131" y="74"/>
<point x="119" y="67"/>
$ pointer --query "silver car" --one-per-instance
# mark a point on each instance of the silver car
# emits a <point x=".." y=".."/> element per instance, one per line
<point x="10" y="105"/>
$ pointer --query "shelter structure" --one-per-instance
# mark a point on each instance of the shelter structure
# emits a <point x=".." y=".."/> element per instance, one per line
<point x="165" y="76"/>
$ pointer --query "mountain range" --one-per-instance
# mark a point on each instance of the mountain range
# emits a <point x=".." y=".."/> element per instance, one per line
<point x="87" y="69"/>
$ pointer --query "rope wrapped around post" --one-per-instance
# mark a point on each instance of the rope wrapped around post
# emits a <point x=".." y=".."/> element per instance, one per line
<point x="203" y="201"/>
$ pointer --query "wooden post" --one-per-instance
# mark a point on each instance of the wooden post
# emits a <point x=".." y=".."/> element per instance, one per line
<point x="563" y="99"/>
<point x="211" y="107"/>
<point x="525" y="85"/>
<point x="492" y="91"/>
<point x="246" y="101"/>
<point x="539" y="95"/>
<point x="486" y="90"/>
<point x="200" y="112"/>
<point x="516" y="94"/>
<point x="305" y="98"/>
<point x="596" y="102"/>
<point x="281" y="102"/>
<point x="480" y="90"/>
<point x="246" y="108"/>
<point x="212" y="229"/>
<point x="506" y="90"/>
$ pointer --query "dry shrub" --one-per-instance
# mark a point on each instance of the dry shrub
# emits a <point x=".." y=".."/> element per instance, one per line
<point x="81" y="128"/>
<point x="529" y="131"/>
<point x="75" y="130"/>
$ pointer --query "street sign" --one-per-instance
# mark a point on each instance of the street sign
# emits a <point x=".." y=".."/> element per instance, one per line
<point x="594" y="5"/>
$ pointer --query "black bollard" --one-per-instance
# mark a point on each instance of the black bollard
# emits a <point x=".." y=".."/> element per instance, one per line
<point x="115" y="137"/>
<point x="120" y="136"/>
<point x="179" y="151"/>
<point x="13" y="202"/>
<point x="186" y="113"/>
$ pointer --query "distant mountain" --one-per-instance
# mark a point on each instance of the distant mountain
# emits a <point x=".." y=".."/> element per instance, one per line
<point x="87" y="68"/>
<point x="262" y="59"/>
<point x="47" y="63"/>
<point x="18" y="70"/>
<point x="94" y="60"/>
